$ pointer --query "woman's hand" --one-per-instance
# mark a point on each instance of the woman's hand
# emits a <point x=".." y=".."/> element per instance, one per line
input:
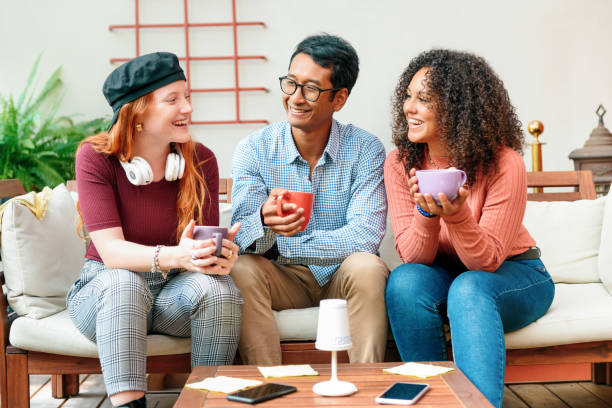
<point x="196" y="256"/>
<point x="413" y="184"/>
<point x="427" y="202"/>
<point x="229" y="251"/>
<point x="199" y="255"/>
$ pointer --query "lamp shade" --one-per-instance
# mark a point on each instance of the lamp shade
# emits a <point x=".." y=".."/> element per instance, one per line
<point x="333" y="326"/>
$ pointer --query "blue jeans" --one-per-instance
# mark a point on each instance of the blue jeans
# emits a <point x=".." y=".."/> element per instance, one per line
<point x="481" y="306"/>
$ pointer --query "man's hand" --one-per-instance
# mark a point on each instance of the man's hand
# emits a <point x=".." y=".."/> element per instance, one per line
<point x="286" y="226"/>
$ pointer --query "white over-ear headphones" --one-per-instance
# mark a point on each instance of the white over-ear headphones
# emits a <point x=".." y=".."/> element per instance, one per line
<point x="139" y="172"/>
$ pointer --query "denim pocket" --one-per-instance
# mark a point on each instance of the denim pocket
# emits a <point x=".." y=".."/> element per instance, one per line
<point x="537" y="265"/>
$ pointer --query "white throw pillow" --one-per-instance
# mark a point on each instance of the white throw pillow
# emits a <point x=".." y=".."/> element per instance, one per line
<point x="569" y="235"/>
<point x="605" y="249"/>
<point x="41" y="258"/>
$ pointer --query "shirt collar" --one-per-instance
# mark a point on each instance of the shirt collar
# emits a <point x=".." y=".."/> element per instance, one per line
<point x="291" y="151"/>
<point x="333" y="142"/>
<point x="331" y="150"/>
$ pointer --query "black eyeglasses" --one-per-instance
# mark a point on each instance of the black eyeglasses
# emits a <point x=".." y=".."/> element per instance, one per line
<point x="310" y="92"/>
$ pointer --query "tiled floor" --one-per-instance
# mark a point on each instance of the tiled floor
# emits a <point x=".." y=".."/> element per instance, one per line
<point x="92" y="394"/>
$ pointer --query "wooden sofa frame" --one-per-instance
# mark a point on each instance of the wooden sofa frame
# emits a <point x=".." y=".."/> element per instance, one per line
<point x="16" y="365"/>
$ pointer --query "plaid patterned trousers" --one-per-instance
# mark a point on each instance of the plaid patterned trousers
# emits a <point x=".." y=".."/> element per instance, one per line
<point x="116" y="308"/>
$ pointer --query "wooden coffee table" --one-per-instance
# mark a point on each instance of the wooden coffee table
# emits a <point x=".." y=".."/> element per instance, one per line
<point x="449" y="390"/>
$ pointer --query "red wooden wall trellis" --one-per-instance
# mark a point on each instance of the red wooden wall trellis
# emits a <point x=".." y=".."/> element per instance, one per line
<point x="188" y="58"/>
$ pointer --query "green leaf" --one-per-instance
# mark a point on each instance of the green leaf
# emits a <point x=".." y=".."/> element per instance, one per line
<point x="29" y="82"/>
<point x="36" y="146"/>
<point x="27" y="143"/>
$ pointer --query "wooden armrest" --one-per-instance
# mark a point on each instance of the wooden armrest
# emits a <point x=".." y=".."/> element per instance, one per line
<point x="581" y="182"/>
<point x="5" y="324"/>
<point x="11" y="188"/>
<point x="225" y="189"/>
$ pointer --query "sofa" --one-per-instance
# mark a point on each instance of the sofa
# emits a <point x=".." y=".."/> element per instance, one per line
<point x="42" y="256"/>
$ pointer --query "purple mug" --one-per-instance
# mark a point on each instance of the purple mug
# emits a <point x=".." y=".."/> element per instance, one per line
<point x="445" y="181"/>
<point x="207" y="232"/>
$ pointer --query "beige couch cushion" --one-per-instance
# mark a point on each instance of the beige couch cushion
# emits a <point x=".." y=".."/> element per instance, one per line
<point x="57" y="334"/>
<point x="301" y="324"/>
<point x="605" y="253"/>
<point x="297" y="324"/>
<point x="579" y="313"/>
<point x="41" y="258"/>
<point x="569" y="235"/>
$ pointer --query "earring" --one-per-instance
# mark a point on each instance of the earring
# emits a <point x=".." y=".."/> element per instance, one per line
<point x="139" y="127"/>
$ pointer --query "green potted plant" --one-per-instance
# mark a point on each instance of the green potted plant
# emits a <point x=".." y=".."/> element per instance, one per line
<point x="36" y="145"/>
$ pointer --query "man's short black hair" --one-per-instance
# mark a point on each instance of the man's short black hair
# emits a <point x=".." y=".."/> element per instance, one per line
<point x="330" y="51"/>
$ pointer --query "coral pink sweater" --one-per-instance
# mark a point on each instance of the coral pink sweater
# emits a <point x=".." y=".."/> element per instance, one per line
<point x="485" y="231"/>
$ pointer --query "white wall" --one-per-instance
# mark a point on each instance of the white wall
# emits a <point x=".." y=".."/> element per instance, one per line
<point x="555" y="56"/>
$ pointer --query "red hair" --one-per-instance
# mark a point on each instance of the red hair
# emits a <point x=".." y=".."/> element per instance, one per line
<point x="119" y="141"/>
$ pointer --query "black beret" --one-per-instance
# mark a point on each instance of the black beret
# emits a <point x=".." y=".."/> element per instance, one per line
<point x="140" y="76"/>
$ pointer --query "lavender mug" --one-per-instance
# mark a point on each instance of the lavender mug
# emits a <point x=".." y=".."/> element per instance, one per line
<point x="445" y="181"/>
<point x="207" y="232"/>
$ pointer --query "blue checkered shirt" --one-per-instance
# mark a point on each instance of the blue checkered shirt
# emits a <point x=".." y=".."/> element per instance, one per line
<point x="349" y="209"/>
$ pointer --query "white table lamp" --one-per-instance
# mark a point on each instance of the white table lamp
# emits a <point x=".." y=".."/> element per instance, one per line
<point x="333" y="335"/>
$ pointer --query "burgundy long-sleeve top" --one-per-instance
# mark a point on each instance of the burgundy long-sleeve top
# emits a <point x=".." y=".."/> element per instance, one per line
<point x="147" y="214"/>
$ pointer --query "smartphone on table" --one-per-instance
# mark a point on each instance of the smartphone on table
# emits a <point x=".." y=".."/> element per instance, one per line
<point x="261" y="393"/>
<point x="402" y="393"/>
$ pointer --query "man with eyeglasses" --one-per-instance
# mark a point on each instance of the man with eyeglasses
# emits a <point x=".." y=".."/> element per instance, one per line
<point x="282" y="267"/>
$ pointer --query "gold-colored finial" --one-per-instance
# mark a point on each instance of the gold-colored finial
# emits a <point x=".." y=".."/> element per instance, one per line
<point x="536" y="128"/>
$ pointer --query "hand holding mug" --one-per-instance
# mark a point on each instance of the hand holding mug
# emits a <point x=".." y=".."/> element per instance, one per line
<point x="298" y="199"/>
<point x="217" y="234"/>
<point x="291" y="219"/>
<point x="204" y="261"/>
<point x="228" y="254"/>
<point x="413" y="183"/>
<point x="438" y="192"/>
<point x="215" y="253"/>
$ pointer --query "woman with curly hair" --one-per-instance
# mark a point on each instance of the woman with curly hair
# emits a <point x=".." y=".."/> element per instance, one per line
<point x="470" y="258"/>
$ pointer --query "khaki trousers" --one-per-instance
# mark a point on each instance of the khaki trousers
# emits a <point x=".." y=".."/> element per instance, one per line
<point x="266" y="285"/>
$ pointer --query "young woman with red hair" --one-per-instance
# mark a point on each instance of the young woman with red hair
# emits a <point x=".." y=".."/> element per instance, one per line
<point x="143" y="186"/>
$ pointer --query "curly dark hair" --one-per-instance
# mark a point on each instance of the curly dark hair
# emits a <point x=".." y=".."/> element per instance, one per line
<point x="473" y="112"/>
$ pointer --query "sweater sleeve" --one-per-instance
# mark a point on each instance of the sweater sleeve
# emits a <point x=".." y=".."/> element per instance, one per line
<point x="416" y="236"/>
<point x="486" y="243"/>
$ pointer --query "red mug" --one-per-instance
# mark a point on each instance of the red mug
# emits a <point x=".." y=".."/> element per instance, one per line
<point x="300" y="199"/>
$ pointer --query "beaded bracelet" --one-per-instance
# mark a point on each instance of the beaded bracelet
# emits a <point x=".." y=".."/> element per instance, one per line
<point x="155" y="263"/>
<point x="425" y="213"/>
